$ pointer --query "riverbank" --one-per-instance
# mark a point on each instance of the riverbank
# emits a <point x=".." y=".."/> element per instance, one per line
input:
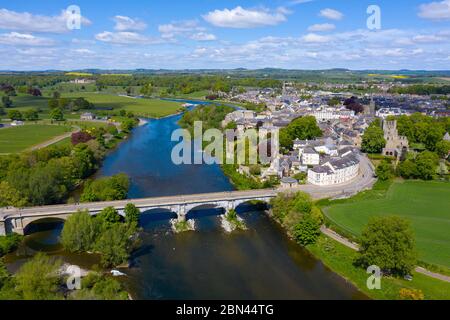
<point x="340" y="259"/>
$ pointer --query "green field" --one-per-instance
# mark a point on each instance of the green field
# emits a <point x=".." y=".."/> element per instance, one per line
<point x="25" y="102"/>
<point x="153" y="108"/>
<point x="341" y="259"/>
<point x="425" y="204"/>
<point x="17" y="139"/>
<point x="143" y="107"/>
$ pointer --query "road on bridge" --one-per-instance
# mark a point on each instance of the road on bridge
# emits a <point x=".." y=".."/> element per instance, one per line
<point x="365" y="180"/>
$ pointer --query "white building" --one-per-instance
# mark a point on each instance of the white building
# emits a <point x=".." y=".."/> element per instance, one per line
<point x="335" y="171"/>
<point x="386" y="112"/>
<point x="309" y="157"/>
<point x="328" y="114"/>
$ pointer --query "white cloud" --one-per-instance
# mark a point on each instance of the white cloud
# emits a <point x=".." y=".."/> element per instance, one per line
<point x="174" y="29"/>
<point x="22" y="39"/>
<point x="124" y="23"/>
<point x="189" y="29"/>
<point x="246" y="18"/>
<point x="315" y="38"/>
<point x="125" y="38"/>
<point x="24" y="21"/>
<point x="429" y="38"/>
<point x="203" y="36"/>
<point x="83" y="51"/>
<point x="435" y="10"/>
<point x="331" y="14"/>
<point x="322" y="27"/>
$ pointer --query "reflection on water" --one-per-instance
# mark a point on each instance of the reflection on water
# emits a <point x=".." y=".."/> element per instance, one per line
<point x="44" y="236"/>
<point x="259" y="263"/>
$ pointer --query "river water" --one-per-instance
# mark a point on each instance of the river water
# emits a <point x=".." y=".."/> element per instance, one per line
<point x="259" y="263"/>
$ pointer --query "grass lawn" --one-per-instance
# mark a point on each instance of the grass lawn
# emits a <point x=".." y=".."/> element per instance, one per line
<point x="17" y="139"/>
<point x="26" y="102"/>
<point x="340" y="259"/>
<point x="143" y="107"/>
<point x="425" y="204"/>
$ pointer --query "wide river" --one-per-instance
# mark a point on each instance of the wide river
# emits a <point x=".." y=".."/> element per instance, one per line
<point x="259" y="263"/>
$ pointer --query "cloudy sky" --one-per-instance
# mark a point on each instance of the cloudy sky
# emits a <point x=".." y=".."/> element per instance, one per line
<point x="192" y="34"/>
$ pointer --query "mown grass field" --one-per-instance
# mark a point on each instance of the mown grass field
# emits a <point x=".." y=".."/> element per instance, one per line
<point x="340" y="259"/>
<point x="143" y="107"/>
<point x="17" y="139"/>
<point x="425" y="204"/>
<point x="153" y="108"/>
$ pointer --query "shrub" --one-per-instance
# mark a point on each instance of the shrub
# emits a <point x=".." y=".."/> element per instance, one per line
<point x="411" y="294"/>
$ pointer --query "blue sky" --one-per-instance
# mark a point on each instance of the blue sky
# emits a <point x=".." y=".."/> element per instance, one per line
<point x="175" y="34"/>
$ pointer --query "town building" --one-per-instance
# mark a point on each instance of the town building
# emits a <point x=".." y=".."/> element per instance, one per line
<point x="88" y="116"/>
<point x="396" y="145"/>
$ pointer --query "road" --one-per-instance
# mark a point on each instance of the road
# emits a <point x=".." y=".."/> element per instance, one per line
<point x="54" y="140"/>
<point x="364" y="181"/>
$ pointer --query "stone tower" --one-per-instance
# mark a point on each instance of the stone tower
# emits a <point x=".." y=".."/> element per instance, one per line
<point x="396" y="145"/>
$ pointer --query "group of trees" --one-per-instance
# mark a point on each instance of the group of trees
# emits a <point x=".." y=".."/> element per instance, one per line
<point x="301" y="128"/>
<point x="29" y="115"/>
<point x="106" y="189"/>
<point x="389" y="243"/>
<point x="40" y="278"/>
<point x="373" y="138"/>
<point x="426" y="130"/>
<point x="105" y="233"/>
<point x="354" y="104"/>
<point x="211" y="117"/>
<point x="422" y="89"/>
<point x="421" y="166"/>
<point x="69" y="104"/>
<point x="45" y="176"/>
<point x="298" y="214"/>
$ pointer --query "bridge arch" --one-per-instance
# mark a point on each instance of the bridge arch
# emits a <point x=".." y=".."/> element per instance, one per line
<point x="30" y="226"/>
<point x="204" y="210"/>
<point x="157" y="214"/>
<point x="251" y="205"/>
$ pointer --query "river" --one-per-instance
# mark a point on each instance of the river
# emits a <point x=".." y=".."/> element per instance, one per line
<point x="259" y="263"/>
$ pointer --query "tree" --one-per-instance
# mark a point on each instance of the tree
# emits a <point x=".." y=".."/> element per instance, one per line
<point x="7" y="102"/>
<point x="108" y="217"/>
<point x="106" y="189"/>
<point x="353" y="104"/>
<point x="132" y="213"/>
<point x="15" y="115"/>
<point x="426" y="163"/>
<point x="127" y="124"/>
<point x="9" y="243"/>
<point x="80" y="137"/>
<point x="31" y="115"/>
<point x="115" y="244"/>
<point x="408" y="169"/>
<point x="301" y="128"/>
<point x="98" y="287"/>
<point x="2" y="111"/>
<point x="84" y="160"/>
<point x="79" y="232"/>
<point x="57" y="114"/>
<point x="384" y="170"/>
<point x="38" y="278"/>
<point x="53" y="104"/>
<point x="443" y="148"/>
<point x="9" y="196"/>
<point x="389" y="243"/>
<point x="433" y="135"/>
<point x="35" y="92"/>
<point x="373" y="140"/>
<point x="307" y="230"/>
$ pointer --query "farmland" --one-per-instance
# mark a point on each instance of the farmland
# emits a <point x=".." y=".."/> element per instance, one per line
<point x="425" y="204"/>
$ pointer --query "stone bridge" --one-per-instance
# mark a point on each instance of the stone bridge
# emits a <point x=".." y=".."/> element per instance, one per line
<point x="16" y="220"/>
